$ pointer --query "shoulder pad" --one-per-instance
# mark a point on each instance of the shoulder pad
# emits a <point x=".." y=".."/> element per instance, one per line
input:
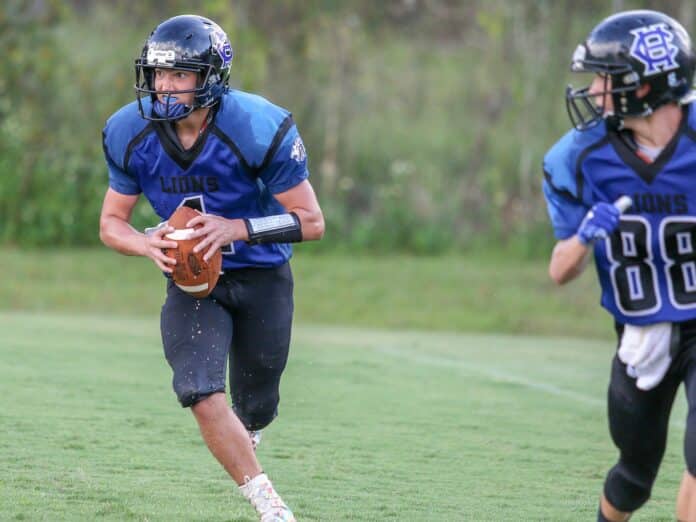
<point x="252" y="123"/>
<point x="121" y="128"/>
<point x="561" y="161"/>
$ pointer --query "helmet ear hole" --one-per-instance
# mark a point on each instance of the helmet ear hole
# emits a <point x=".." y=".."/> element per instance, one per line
<point x="643" y="90"/>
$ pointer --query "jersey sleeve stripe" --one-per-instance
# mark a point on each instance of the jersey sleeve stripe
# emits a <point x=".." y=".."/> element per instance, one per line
<point x="283" y="129"/>
<point x="138" y="138"/>
<point x="561" y="192"/>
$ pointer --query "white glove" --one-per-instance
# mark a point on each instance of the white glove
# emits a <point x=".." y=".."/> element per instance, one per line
<point x="646" y="352"/>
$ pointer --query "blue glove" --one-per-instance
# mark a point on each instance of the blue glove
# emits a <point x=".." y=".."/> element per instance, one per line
<point x="599" y="222"/>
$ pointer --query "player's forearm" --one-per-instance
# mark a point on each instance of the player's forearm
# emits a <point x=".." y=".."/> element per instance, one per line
<point x="312" y="223"/>
<point x="568" y="260"/>
<point x="122" y="237"/>
<point x="302" y="202"/>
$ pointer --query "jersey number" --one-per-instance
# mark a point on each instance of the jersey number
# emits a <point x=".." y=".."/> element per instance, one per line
<point x="197" y="203"/>
<point x="633" y="273"/>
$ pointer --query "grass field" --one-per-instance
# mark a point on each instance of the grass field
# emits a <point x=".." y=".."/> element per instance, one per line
<point x="390" y="423"/>
<point x="482" y="294"/>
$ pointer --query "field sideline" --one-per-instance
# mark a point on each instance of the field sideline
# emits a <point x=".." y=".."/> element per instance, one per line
<point x="374" y="425"/>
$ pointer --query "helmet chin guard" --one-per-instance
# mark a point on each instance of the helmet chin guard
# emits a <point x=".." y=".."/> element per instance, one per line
<point x="170" y="109"/>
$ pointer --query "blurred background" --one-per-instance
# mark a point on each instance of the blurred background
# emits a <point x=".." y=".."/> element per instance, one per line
<point x="425" y="120"/>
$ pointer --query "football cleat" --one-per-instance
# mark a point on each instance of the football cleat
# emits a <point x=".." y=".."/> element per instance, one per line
<point x="260" y="493"/>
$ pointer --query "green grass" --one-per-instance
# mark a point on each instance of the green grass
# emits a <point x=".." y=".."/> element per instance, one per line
<point x="373" y="425"/>
<point x="391" y="409"/>
<point x="482" y="294"/>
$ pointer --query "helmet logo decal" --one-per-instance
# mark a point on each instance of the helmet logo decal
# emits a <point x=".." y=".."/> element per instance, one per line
<point x="222" y="47"/>
<point x="298" y="152"/>
<point x="157" y="56"/>
<point x="652" y="45"/>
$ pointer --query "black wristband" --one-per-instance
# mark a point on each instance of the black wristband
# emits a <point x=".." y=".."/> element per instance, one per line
<point x="281" y="228"/>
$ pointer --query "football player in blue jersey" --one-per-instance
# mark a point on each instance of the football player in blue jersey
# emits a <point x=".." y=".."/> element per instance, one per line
<point x="634" y="137"/>
<point x="188" y="139"/>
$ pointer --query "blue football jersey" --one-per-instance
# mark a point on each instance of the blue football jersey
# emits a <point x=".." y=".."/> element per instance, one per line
<point x="647" y="267"/>
<point x="250" y="151"/>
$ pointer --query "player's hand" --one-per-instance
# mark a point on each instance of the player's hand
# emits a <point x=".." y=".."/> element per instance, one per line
<point x="599" y="223"/>
<point x="155" y="241"/>
<point x="216" y="232"/>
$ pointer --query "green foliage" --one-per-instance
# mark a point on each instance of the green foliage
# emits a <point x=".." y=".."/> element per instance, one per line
<point x="425" y="122"/>
<point x="494" y="293"/>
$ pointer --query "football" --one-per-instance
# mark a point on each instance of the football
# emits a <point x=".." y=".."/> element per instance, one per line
<point x="191" y="273"/>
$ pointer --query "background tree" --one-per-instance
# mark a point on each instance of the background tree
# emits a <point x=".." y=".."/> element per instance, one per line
<point x="426" y="120"/>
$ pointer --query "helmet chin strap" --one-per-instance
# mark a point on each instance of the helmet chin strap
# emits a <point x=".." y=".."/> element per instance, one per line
<point x="614" y="121"/>
<point x="170" y="109"/>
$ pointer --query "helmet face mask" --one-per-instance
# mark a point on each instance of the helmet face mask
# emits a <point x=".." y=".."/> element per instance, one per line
<point x="187" y="43"/>
<point x="164" y="110"/>
<point x="584" y="112"/>
<point x="632" y="49"/>
<point x="583" y="109"/>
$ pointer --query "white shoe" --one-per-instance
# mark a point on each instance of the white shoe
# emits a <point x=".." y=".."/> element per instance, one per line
<point x="255" y="437"/>
<point x="260" y="492"/>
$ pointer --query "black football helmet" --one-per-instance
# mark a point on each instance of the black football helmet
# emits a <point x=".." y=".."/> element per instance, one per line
<point x="631" y="49"/>
<point x="186" y="42"/>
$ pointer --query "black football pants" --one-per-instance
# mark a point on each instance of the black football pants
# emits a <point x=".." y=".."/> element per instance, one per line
<point x="638" y="422"/>
<point x="247" y="321"/>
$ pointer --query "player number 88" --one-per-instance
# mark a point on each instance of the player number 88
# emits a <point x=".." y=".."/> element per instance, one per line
<point x="633" y="273"/>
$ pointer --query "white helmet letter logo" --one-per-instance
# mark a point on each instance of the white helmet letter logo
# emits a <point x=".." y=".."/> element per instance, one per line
<point x="652" y="45"/>
<point x="164" y="57"/>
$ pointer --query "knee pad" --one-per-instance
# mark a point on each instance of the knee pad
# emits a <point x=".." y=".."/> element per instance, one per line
<point x="257" y="412"/>
<point x="255" y="397"/>
<point x="638" y="427"/>
<point x="628" y="485"/>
